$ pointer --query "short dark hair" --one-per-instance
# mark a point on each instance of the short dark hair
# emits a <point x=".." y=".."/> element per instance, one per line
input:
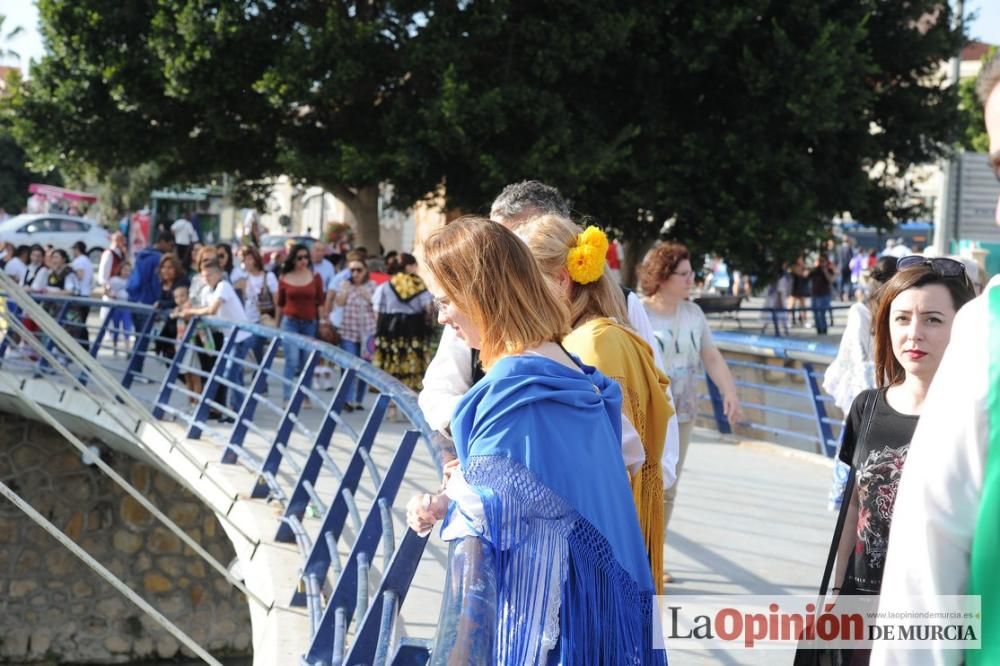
<point x="22" y="250"/>
<point x="529" y="195"/>
<point x="80" y="247"/>
<point x="166" y="236"/>
<point x="989" y="78"/>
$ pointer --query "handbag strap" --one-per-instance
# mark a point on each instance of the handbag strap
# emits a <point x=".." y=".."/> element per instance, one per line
<point x="869" y="411"/>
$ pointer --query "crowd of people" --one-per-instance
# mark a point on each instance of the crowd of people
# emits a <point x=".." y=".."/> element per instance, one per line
<point x="564" y="405"/>
<point x="383" y="317"/>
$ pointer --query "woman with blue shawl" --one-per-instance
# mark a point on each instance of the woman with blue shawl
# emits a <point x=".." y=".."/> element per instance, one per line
<point x="548" y="564"/>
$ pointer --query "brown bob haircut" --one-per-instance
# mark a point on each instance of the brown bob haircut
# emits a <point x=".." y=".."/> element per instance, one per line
<point x="489" y="274"/>
<point x="660" y="263"/>
<point x="888" y="371"/>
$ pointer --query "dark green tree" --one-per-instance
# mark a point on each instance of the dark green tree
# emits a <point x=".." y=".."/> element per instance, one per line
<point x="748" y="123"/>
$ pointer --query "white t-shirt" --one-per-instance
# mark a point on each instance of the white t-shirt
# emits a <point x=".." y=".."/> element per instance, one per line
<point x="681" y="339"/>
<point x="184" y="233"/>
<point x="16" y="269"/>
<point x="85" y="274"/>
<point x="231" y="308"/>
<point x="326" y="273"/>
<point x="251" y="292"/>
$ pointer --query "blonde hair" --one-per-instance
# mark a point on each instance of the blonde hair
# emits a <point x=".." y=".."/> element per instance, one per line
<point x="489" y="274"/>
<point x="550" y="238"/>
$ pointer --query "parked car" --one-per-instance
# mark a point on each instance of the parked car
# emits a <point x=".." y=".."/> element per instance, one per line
<point x="273" y="245"/>
<point x="59" y="231"/>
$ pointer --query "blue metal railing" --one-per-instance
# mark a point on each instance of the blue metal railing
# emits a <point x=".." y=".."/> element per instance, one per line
<point x="779" y="320"/>
<point x="793" y="397"/>
<point x="321" y="492"/>
<point x="301" y="469"/>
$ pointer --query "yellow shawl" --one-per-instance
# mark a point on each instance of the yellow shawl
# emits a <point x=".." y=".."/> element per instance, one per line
<point x="623" y="356"/>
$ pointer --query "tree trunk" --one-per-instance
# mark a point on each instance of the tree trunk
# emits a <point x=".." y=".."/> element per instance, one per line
<point x="634" y="252"/>
<point x="363" y="204"/>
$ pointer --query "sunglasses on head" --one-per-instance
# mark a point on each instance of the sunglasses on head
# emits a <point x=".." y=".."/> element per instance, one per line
<point x="941" y="265"/>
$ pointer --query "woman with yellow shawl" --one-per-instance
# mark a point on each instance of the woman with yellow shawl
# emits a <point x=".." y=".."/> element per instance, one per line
<point x="574" y="263"/>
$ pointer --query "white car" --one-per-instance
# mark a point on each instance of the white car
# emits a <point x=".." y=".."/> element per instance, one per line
<point x="60" y="231"/>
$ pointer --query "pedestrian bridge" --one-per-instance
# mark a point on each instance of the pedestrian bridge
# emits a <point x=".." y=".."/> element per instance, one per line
<point x="311" y="495"/>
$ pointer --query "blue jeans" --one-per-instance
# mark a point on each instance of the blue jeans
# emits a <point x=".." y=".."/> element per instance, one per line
<point x="258" y="343"/>
<point x="295" y="356"/>
<point x="821" y="310"/>
<point x="359" y="386"/>
<point x="234" y="372"/>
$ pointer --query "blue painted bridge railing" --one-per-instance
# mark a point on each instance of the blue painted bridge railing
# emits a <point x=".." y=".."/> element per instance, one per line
<point x="779" y="382"/>
<point x="223" y="384"/>
<point x="232" y="391"/>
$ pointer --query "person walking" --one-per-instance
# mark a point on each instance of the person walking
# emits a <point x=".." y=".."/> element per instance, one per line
<point x="358" y="326"/>
<point x="821" y="280"/>
<point x="686" y="345"/>
<point x="573" y="261"/>
<point x="403" y="307"/>
<point x="300" y="294"/>
<point x="260" y="289"/>
<point x="800" y="291"/>
<point x="185" y="236"/>
<point x="545" y="569"/>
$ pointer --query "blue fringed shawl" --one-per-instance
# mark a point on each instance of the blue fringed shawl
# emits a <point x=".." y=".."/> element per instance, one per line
<point x="541" y="446"/>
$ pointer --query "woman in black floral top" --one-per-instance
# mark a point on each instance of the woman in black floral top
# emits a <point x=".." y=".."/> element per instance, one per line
<point x="915" y="311"/>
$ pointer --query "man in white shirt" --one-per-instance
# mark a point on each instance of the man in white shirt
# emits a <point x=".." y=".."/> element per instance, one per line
<point x="945" y="539"/>
<point x="84" y="271"/>
<point x="450" y="373"/>
<point x="225" y="304"/>
<point x="17" y="262"/>
<point x="322" y="265"/>
<point x="185" y="236"/>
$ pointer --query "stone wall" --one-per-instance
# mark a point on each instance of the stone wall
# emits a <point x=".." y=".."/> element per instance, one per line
<point x="53" y="607"/>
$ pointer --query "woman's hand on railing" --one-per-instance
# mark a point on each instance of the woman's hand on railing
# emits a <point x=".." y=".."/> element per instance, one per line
<point x="423" y="510"/>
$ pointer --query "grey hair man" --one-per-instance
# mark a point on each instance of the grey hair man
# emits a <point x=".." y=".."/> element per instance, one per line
<point x="944" y="539"/>
<point x="523" y="201"/>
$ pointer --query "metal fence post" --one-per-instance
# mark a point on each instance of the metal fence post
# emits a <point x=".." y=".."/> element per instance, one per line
<point x="249" y="406"/>
<point x="823" y="429"/>
<point x="166" y="388"/>
<point x="139" y="350"/>
<point x="284" y="430"/>
<point x="211" y="385"/>
<point x="718" y="406"/>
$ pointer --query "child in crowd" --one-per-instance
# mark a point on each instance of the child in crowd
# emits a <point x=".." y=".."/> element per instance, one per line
<point x="121" y="319"/>
<point x="191" y="379"/>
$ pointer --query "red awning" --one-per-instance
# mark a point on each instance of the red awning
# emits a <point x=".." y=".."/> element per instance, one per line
<point x="61" y="193"/>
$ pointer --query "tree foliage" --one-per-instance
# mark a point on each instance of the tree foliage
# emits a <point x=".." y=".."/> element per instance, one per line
<point x="748" y="123"/>
<point x="974" y="135"/>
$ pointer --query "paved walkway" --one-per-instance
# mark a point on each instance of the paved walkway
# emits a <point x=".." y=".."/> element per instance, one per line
<point x="748" y="520"/>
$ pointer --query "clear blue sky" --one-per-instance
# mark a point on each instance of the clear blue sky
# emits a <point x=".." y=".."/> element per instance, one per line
<point x="985" y="26"/>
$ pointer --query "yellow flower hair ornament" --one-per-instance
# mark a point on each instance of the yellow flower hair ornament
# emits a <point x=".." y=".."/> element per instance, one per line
<point x="585" y="260"/>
